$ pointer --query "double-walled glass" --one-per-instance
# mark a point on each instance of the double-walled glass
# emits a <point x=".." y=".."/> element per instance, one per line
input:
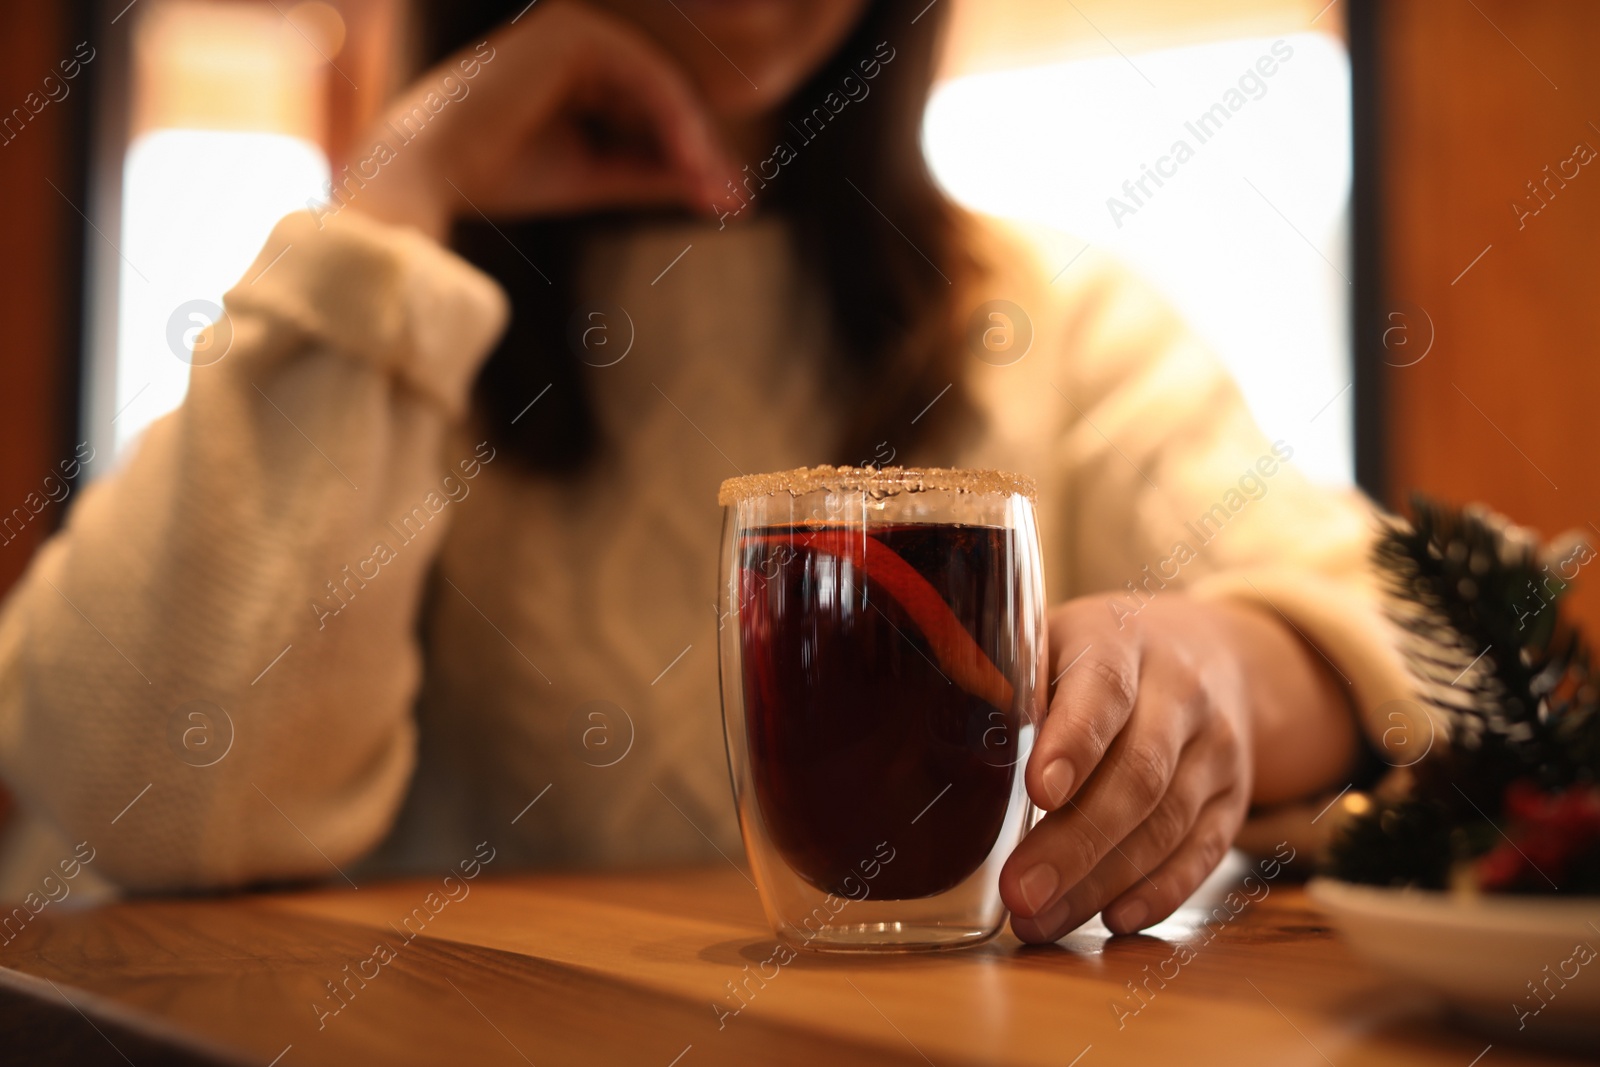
<point x="883" y="673"/>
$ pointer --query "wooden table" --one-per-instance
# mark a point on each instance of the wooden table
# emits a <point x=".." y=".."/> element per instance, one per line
<point x="637" y="969"/>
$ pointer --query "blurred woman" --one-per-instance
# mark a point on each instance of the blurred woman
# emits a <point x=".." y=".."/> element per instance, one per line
<point x="447" y="506"/>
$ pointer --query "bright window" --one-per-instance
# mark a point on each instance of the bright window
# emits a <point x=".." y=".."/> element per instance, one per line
<point x="1247" y="236"/>
<point x="196" y="207"/>
<point x="226" y="108"/>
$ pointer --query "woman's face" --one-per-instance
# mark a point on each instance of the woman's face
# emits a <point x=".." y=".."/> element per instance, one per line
<point x="746" y="56"/>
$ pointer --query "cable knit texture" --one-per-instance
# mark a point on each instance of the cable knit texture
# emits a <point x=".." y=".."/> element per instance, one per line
<point x="412" y="637"/>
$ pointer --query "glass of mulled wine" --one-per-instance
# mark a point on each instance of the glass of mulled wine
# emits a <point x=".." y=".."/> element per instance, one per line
<point x="882" y="654"/>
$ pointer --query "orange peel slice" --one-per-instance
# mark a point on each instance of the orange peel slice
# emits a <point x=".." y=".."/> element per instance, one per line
<point x="958" y="655"/>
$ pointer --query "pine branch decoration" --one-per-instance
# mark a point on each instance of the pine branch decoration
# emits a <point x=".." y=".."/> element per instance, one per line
<point x="1477" y="602"/>
<point x="1475" y="598"/>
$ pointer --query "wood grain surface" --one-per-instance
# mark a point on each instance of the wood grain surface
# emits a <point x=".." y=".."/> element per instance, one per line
<point x="642" y="968"/>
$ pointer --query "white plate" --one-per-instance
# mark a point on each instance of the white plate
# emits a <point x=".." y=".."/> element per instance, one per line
<point x="1520" y="966"/>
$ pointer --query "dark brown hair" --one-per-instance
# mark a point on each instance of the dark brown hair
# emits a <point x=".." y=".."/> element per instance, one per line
<point x="896" y="298"/>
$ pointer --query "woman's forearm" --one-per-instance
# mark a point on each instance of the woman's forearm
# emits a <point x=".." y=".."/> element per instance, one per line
<point x="235" y="561"/>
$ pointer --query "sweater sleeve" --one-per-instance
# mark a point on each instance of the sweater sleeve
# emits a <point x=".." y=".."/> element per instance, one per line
<point x="1171" y="485"/>
<point x="208" y="674"/>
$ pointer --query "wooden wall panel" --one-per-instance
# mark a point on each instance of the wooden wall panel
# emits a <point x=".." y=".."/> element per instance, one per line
<point x="37" y="236"/>
<point x="1476" y="98"/>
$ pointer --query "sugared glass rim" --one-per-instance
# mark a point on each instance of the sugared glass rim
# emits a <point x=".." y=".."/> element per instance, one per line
<point x="876" y="482"/>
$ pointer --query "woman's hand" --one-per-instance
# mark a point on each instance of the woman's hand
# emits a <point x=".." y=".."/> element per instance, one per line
<point x="1147" y="761"/>
<point x="569" y="110"/>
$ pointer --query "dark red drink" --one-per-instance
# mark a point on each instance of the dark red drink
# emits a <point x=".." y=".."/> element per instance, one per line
<point x="878" y="699"/>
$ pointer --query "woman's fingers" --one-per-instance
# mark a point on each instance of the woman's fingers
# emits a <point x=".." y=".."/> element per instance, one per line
<point x="1159" y="889"/>
<point x="1144" y="764"/>
<point x="1131" y="861"/>
<point x="635" y="81"/>
<point x="571" y="110"/>
<point x="1126" y="787"/>
<point x="1097" y="682"/>
<point x="1176" y="879"/>
<point x="566" y="173"/>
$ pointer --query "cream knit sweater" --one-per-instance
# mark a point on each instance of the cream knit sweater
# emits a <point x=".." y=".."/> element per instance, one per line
<point x="408" y="636"/>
